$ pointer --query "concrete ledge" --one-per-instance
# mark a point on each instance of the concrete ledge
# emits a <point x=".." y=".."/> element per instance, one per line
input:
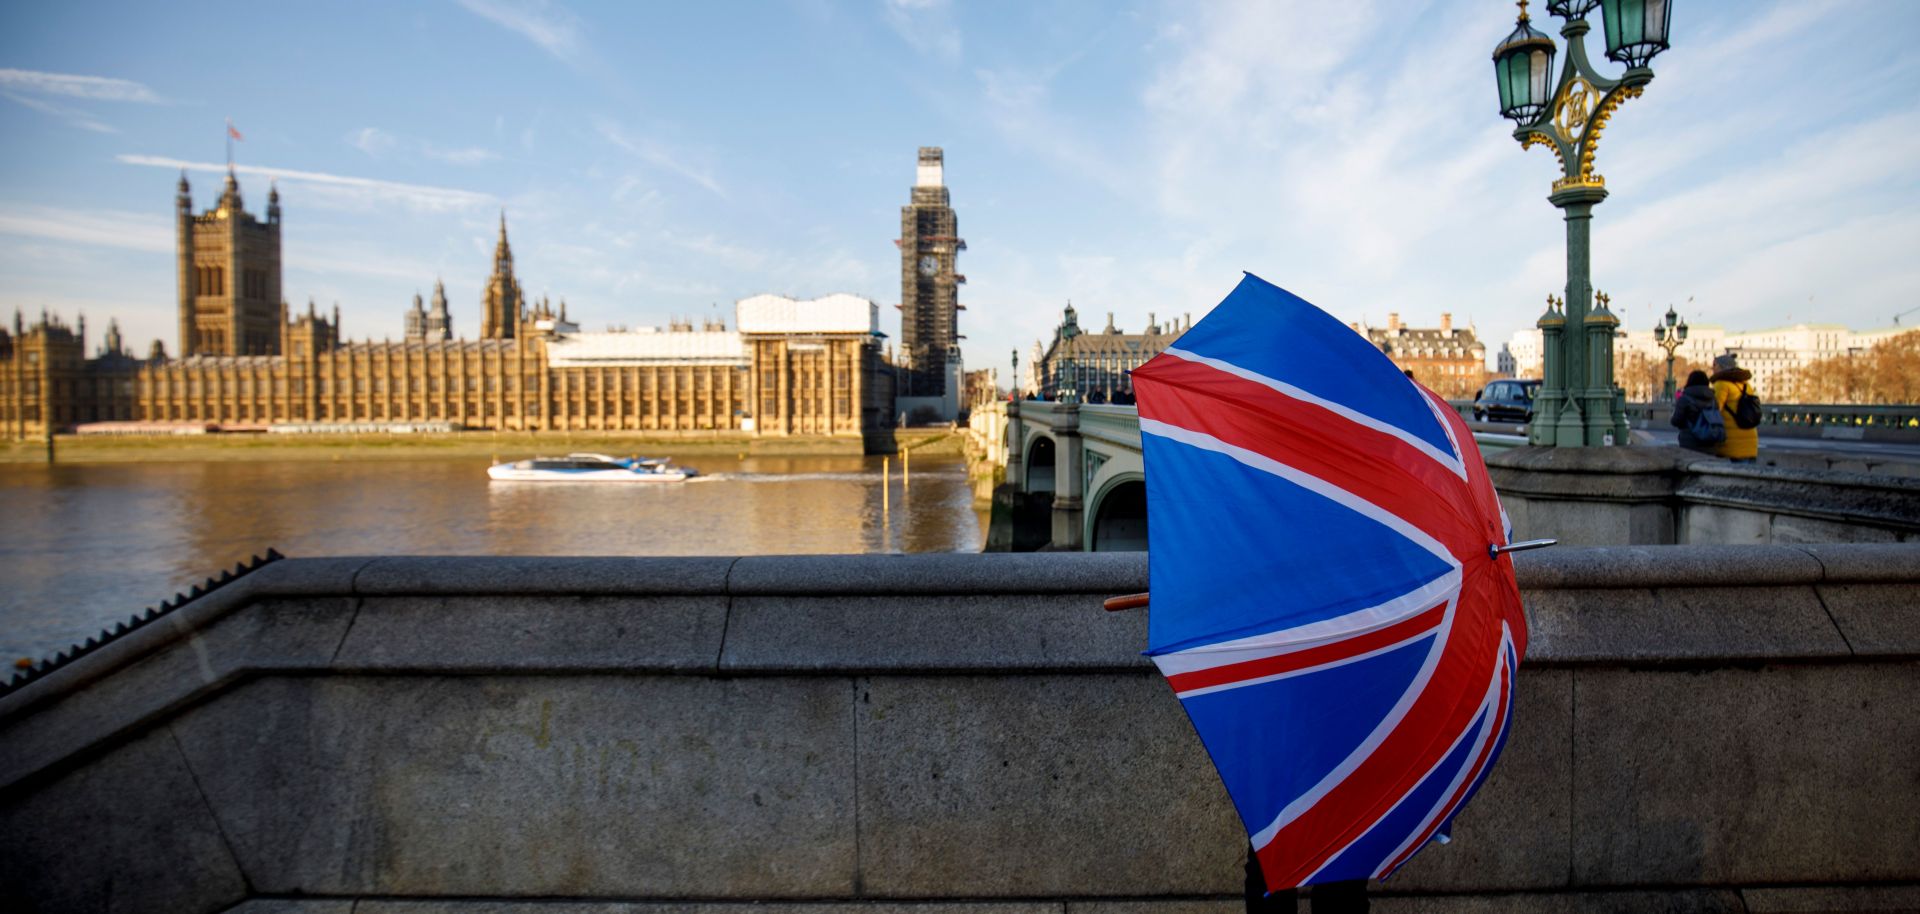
<point x="931" y="634"/>
<point x="535" y="633"/>
<point x="578" y="575"/>
<point x="1105" y="573"/>
<point x="1656" y="460"/>
<point x="287" y="577"/>
<point x="1865" y="562"/>
<point x="39" y="731"/>
<point x="1681" y="626"/>
<point x="1849" y="499"/>
<point x="1878" y="620"/>
<point x="1582" y="567"/>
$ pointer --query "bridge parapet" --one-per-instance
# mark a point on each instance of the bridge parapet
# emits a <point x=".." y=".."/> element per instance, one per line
<point x="888" y="733"/>
<point x="1599" y="496"/>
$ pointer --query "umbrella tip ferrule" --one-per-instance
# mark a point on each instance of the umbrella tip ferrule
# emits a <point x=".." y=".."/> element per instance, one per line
<point x="1130" y="601"/>
<point x="1494" y="549"/>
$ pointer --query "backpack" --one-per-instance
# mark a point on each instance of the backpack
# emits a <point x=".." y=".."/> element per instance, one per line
<point x="1706" y="426"/>
<point x="1746" y="410"/>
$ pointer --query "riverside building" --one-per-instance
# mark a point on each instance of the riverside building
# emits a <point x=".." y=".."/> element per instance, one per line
<point x="1098" y="367"/>
<point x="248" y="362"/>
<point x="1449" y="360"/>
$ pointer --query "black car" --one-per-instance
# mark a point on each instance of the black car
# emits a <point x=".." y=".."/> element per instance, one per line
<point x="1506" y="401"/>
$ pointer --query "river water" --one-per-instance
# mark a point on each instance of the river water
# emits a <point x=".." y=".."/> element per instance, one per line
<point x="83" y="546"/>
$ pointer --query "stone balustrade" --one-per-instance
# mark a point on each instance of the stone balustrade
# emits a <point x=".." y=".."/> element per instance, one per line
<point x="1696" y="728"/>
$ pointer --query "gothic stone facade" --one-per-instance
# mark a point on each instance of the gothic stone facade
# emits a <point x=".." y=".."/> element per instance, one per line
<point x="1097" y="367"/>
<point x="532" y="369"/>
<point x="229" y="275"/>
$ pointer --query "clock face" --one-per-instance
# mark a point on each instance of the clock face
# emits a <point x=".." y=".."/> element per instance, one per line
<point x="928" y="265"/>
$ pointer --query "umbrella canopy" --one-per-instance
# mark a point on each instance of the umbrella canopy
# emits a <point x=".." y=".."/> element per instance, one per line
<point x="1326" y="601"/>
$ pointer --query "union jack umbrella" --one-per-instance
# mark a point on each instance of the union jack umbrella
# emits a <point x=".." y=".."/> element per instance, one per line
<point x="1331" y="598"/>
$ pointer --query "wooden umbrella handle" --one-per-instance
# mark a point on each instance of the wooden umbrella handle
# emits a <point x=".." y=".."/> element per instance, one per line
<point x="1130" y="601"/>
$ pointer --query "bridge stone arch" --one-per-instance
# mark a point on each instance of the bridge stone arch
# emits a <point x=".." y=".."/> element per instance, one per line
<point x="1117" y="514"/>
<point x="1042" y="463"/>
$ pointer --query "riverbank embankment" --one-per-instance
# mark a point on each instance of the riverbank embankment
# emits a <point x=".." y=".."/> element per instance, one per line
<point x="427" y="445"/>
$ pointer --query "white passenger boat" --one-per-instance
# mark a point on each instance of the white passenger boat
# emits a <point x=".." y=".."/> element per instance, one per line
<point x="590" y="468"/>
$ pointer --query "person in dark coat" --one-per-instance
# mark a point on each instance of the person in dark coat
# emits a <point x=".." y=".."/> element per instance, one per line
<point x="1696" y="397"/>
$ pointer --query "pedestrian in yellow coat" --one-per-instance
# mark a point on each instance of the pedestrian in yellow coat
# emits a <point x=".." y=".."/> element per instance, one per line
<point x="1729" y="385"/>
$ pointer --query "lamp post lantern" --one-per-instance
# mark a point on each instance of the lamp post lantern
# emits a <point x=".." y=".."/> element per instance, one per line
<point x="1670" y="334"/>
<point x="1578" y="404"/>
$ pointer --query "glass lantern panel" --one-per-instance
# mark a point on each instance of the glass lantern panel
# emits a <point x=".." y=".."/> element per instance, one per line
<point x="1541" y="86"/>
<point x="1656" y="21"/>
<point x="1610" y="15"/>
<point x="1503" y="77"/>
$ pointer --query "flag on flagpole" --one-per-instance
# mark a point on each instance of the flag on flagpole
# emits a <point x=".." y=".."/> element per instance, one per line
<point x="232" y="132"/>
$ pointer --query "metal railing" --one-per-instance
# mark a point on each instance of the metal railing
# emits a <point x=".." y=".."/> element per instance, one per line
<point x="1810" y="416"/>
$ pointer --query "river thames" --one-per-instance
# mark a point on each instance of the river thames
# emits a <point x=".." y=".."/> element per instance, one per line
<point x="84" y="546"/>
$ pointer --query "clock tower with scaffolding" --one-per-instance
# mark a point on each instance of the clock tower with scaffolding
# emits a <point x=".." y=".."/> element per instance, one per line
<point x="930" y="245"/>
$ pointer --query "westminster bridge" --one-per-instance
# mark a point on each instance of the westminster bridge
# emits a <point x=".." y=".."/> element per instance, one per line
<point x="1074" y="479"/>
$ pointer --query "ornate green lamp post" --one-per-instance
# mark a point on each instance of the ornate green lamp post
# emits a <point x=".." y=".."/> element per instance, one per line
<point x="1670" y="334"/>
<point x="1578" y="404"/>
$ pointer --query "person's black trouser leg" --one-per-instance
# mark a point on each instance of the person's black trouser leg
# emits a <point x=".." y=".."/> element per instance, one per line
<point x="1345" y="897"/>
<point x="1284" y="901"/>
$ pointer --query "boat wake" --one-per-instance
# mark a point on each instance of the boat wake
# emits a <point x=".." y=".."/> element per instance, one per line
<point x="861" y="476"/>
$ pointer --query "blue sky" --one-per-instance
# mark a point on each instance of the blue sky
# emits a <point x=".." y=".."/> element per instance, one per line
<point x="661" y="159"/>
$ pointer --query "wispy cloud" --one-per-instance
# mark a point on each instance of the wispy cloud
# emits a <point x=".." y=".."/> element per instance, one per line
<point x="342" y="191"/>
<point x="379" y="144"/>
<point x="134" y="231"/>
<point x="373" y="141"/>
<point x="657" y="154"/>
<point x="466" y="155"/>
<point x="36" y="90"/>
<point x="92" y="88"/>
<point x="548" y="25"/>
<point x="73" y="116"/>
<point x="927" y="26"/>
<point x="146" y="232"/>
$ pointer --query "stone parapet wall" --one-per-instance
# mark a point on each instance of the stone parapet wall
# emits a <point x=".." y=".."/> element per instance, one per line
<point x="1661" y="495"/>
<point x="1712" y="727"/>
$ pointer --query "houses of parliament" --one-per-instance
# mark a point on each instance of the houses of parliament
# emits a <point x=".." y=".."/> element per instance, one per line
<point x="248" y="362"/>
